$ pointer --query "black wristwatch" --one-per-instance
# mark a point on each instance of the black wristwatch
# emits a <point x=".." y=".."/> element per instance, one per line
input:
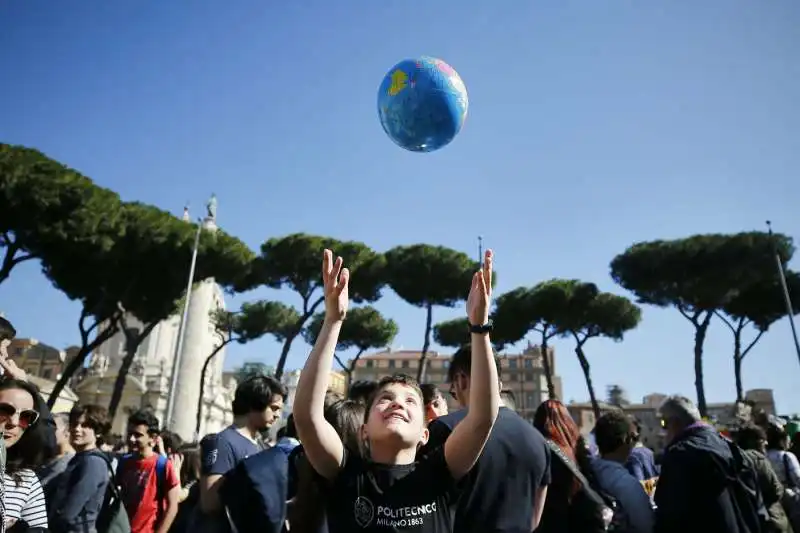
<point x="481" y="330"/>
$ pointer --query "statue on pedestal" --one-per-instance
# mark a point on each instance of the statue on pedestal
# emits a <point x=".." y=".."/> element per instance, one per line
<point x="99" y="364"/>
<point x="211" y="207"/>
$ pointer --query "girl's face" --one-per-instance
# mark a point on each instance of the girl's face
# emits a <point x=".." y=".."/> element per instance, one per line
<point x="17" y="414"/>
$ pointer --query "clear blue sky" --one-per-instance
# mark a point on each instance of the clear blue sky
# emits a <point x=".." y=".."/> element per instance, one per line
<point x="592" y="125"/>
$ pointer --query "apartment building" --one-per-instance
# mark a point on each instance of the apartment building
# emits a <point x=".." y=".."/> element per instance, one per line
<point x="44" y="364"/>
<point x="521" y="374"/>
<point x="647" y="413"/>
<point x="40" y="359"/>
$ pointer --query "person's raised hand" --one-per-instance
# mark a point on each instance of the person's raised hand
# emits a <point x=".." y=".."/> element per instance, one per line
<point x="480" y="293"/>
<point x="335" y="280"/>
<point x="8" y="365"/>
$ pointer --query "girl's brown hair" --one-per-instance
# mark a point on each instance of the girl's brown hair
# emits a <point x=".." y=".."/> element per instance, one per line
<point x="553" y="420"/>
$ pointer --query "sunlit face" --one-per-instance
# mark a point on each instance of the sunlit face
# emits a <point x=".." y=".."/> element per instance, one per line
<point x="262" y="420"/>
<point x="62" y="431"/>
<point x="139" y="439"/>
<point x="82" y="437"/>
<point x="397" y="416"/>
<point x="670" y="429"/>
<point x="436" y="408"/>
<point x="17" y="414"/>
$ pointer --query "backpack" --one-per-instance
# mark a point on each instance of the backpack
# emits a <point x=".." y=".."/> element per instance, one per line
<point x="596" y="510"/>
<point x="112" y="518"/>
<point x="745" y="493"/>
<point x="161" y="481"/>
<point x="254" y="493"/>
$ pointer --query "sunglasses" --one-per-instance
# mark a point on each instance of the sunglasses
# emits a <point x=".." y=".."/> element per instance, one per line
<point x="27" y="417"/>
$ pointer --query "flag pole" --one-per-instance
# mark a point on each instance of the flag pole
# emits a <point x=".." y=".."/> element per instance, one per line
<point x="785" y="287"/>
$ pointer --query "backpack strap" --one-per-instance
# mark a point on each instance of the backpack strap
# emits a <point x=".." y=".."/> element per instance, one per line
<point x="161" y="482"/>
<point x="112" y="483"/>
<point x="569" y="463"/>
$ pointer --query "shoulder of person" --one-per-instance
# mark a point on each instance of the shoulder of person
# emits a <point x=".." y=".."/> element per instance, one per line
<point x="451" y="420"/>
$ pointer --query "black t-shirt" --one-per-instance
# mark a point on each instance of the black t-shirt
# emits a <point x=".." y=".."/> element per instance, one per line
<point x="372" y="497"/>
<point x="501" y="487"/>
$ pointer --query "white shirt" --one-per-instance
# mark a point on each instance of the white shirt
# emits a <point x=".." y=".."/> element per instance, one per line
<point x="781" y="461"/>
<point x="24" y="500"/>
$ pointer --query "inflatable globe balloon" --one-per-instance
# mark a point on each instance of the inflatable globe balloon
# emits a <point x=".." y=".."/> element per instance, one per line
<point x="422" y="104"/>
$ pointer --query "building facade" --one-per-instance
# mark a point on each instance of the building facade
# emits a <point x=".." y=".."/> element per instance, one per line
<point x="148" y="383"/>
<point x="647" y="413"/>
<point x="337" y="382"/>
<point x="521" y="374"/>
<point x="44" y="365"/>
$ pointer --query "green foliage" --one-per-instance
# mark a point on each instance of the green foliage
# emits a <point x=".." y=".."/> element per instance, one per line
<point x="514" y="316"/>
<point x="423" y="274"/>
<point x="607" y="315"/>
<point x="584" y="313"/>
<point x="47" y="207"/>
<point x="251" y="369"/>
<point x="699" y="273"/>
<point x="700" y="276"/>
<point x="254" y="320"/>
<point x="452" y="333"/>
<point x="759" y="305"/>
<point x="426" y="276"/>
<point x="763" y="303"/>
<point x="363" y="329"/>
<point x="616" y="395"/>
<point x="225" y="258"/>
<point x="294" y="262"/>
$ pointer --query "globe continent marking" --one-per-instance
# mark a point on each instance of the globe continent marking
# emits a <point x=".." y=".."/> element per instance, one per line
<point x="422" y="104"/>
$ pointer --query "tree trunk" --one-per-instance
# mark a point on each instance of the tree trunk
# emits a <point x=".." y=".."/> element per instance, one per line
<point x="701" y="328"/>
<point x="11" y="259"/>
<point x="423" y="357"/>
<point x="737" y="364"/>
<point x="133" y="339"/>
<point x="87" y="347"/>
<point x="67" y="373"/>
<point x="548" y="372"/>
<point x="287" y="343"/>
<point x="588" y="376"/>
<point x="203" y="386"/>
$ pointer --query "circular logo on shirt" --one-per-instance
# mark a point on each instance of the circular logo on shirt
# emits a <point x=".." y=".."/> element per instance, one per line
<point x="211" y="457"/>
<point x="363" y="511"/>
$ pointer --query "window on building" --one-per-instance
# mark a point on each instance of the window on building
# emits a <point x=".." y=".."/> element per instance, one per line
<point x="530" y="401"/>
<point x="370" y="364"/>
<point x="528" y="363"/>
<point x="528" y="376"/>
<point x="391" y="363"/>
<point x="404" y="364"/>
<point x="445" y="364"/>
<point x="47" y="373"/>
<point x="512" y="363"/>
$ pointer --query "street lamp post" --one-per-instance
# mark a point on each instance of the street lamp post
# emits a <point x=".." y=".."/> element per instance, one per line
<point x="182" y="330"/>
<point x="785" y="287"/>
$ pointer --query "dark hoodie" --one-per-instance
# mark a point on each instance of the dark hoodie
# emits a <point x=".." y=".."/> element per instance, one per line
<point x="696" y="491"/>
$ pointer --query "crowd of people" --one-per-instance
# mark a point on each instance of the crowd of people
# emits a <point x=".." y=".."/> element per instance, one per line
<point x="388" y="457"/>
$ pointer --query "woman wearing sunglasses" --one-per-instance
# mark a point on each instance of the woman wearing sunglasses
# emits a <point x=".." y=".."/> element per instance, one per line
<point x="25" y="439"/>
